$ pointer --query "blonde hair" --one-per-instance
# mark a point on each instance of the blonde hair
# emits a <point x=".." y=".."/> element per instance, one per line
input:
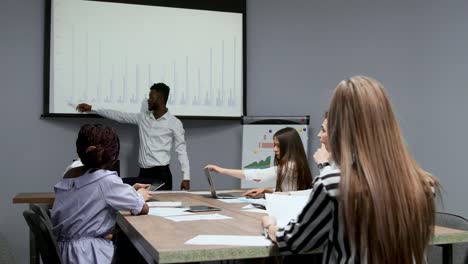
<point x="386" y="199"/>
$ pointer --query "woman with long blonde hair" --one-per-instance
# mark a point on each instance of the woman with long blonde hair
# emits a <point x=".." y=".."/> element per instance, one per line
<point x="380" y="208"/>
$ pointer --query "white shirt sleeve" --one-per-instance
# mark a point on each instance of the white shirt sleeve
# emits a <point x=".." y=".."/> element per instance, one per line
<point x="181" y="149"/>
<point x="261" y="175"/>
<point x="122" y="117"/>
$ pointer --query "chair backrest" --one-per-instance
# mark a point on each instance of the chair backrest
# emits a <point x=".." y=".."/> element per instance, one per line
<point x="41" y="211"/>
<point x="45" y="240"/>
<point x="451" y="221"/>
<point x="460" y="251"/>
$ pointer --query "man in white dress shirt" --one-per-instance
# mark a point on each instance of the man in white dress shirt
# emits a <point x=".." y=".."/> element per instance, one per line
<point x="158" y="130"/>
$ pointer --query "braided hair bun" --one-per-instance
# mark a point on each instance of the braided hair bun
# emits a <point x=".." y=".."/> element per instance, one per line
<point x="97" y="146"/>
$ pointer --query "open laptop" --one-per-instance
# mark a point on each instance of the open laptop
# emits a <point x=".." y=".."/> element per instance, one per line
<point x="213" y="189"/>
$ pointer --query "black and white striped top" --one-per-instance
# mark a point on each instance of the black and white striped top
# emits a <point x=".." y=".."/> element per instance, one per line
<point x="320" y="224"/>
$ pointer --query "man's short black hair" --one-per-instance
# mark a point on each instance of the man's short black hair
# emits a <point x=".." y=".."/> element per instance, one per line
<point x="162" y="89"/>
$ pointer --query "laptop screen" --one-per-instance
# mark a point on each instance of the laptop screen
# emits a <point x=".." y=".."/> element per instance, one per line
<point x="210" y="183"/>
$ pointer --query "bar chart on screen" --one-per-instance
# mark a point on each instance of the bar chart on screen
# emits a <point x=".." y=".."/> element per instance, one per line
<point x="112" y="53"/>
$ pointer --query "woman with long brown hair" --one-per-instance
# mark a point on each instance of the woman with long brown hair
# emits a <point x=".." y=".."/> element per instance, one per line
<point x="291" y="170"/>
<point x="380" y="208"/>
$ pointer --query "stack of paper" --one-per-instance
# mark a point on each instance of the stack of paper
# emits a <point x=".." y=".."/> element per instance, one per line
<point x="285" y="207"/>
<point x="253" y="209"/>
<point x="164" y="204"/>
<point x="233" y="200"/>
<point x="260" y="241"/>
<point x="261" y="201"/>
<point x="164" y="211"/>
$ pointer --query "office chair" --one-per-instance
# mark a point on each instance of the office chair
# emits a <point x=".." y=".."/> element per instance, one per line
<point x="42" y="212"/>
<point x="45" y="240"/>
<point x="460" y="251"/>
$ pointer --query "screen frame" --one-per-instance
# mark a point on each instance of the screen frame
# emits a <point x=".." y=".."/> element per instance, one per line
<point x="236" y="6"/>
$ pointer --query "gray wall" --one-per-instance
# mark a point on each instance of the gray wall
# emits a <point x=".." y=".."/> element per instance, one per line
<point x="298" y="50"/>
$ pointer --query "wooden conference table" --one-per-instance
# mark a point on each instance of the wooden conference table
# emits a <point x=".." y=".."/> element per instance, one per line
<point x="160" y="240"/>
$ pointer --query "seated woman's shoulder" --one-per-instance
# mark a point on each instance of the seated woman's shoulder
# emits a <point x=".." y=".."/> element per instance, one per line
<point x="330" y="182"/>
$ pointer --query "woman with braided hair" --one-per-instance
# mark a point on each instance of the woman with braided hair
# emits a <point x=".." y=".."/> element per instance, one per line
<point x="88" y="198"/>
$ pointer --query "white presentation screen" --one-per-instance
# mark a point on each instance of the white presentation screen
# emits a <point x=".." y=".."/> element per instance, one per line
<point x="109" y="54"/>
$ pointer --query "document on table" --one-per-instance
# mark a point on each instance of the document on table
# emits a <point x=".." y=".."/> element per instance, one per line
<point x="260" y="241"/>
<point x="249" y="206"/>
<point x="233" y="200"/>
<point x="200" y="192"/>
<point x="164" y="204"/>
<point x="162" y="192"/>
<point x="164" y="211"/>
<point x="261" y="201"/>
<point x="253" y="209"/>
<point x="285" y="207"/>
<point x="209" y="192"/>
<point x="197" y="217"/>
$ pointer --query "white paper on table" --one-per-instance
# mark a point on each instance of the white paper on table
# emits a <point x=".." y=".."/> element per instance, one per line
<point x="255" y="210"/>
<point x="285" y="207"/>
<point x="303" y="192"/>
<point x="200" y="192"/>
<point x="233" y="200"/>
<point x="249" y="206"/>
<point x="261" y="201"/>
<point x="198" y="217"/>
<point x="209" y="192"/>
<point x="164" y="211"/>
<point x="164" y="204"/>
<point x="260" y="241"/>
<point x="156" y="192"/>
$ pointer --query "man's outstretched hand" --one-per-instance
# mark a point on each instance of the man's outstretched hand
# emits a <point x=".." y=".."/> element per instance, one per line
<point x="83" y="107"/>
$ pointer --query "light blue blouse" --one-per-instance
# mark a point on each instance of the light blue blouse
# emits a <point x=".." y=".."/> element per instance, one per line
<point x="84" y="212"/>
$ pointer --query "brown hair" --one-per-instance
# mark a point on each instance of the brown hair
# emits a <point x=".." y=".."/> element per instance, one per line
<point x="97" y="146"/>
<point x="385" y="197"/>
<point x="292" y="157"/>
